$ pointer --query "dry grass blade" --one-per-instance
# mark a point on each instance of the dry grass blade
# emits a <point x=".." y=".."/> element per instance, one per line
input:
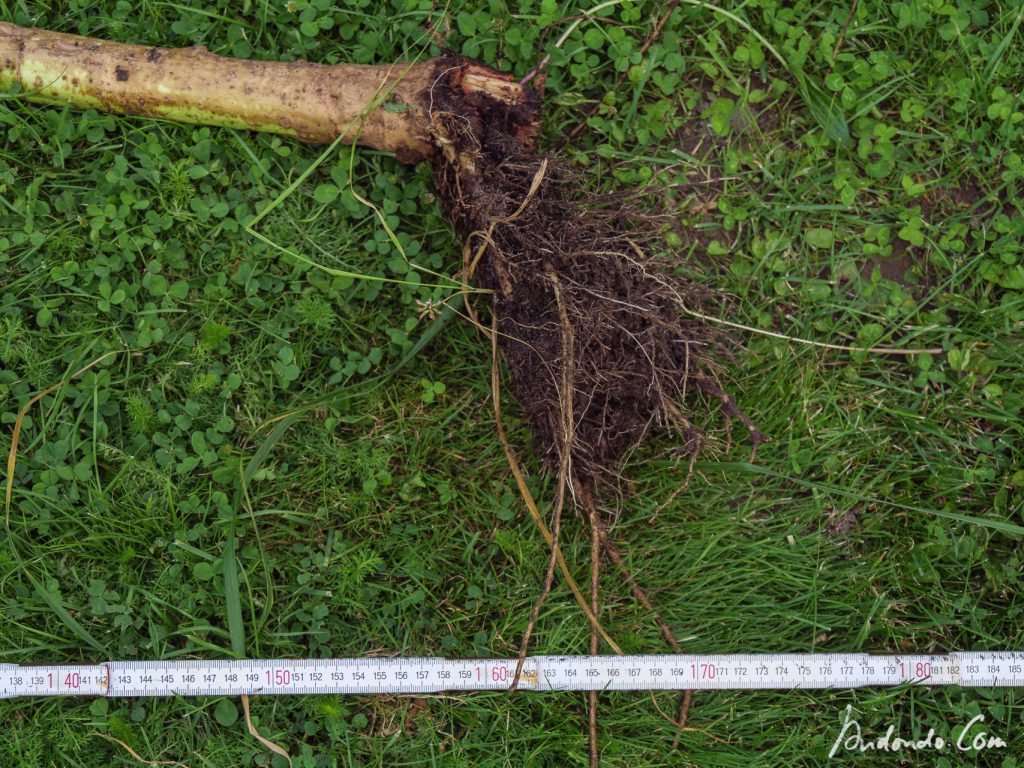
<point x="135" y="755"/>
<point x="615" y="555"/>
<point x="811" y="342"/>
<point x="681" y="729"/>
<point x="12" y="454"/>
<point x="538" y="177"/>
<point x="549" y="577"/>
<point x="527" y="496"/>
<point x="564" y="469"/>
<point x="595" y="577"/>
<point x="277" y="749"/>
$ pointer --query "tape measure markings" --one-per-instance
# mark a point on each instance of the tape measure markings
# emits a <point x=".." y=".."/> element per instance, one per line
<point x="540" y="673"/>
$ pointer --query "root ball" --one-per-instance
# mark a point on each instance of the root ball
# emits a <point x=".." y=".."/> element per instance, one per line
<point x="589" y="321"/>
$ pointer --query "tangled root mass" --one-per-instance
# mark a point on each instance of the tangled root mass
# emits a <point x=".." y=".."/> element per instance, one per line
<point x="589" y="321"/>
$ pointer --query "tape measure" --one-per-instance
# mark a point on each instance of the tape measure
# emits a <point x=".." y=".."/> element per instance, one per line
<point x="275" y="677"/>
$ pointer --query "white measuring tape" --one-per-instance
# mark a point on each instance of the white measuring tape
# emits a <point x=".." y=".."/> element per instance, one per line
<point x="540" y="673"/>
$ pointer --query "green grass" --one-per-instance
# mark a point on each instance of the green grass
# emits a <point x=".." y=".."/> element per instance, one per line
<point x="384" y="518"/>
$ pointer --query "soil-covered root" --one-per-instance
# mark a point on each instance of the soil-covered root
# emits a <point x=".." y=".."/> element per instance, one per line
<point x="582" y="305"/>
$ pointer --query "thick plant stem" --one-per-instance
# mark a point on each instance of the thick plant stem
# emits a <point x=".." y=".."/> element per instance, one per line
<point x="386" y="107"/>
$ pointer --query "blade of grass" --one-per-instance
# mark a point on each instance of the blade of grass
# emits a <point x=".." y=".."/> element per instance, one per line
<point x="1003" y="526"/>
<point x="232" y="596"/>
<point x="825" y="110"/>
<point x="1000" y="51"/>
<point x="62" y="613"/>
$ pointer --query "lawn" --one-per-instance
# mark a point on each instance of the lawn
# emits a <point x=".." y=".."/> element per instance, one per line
<point x="288" y="449"/>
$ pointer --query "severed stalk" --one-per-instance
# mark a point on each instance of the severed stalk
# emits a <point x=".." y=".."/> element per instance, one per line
<point x="386" y="107"/>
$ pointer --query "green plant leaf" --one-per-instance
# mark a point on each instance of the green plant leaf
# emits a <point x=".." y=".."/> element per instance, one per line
<point x="826" y="111"/>
<point x="467" y="24"/>
<point x="226" y="713"/>
<point x="819" y="237"/>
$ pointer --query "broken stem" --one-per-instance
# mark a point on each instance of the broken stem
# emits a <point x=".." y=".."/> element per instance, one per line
<point x="385" y="107"/>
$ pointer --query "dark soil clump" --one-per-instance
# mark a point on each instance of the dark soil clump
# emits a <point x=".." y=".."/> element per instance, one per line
<point x="590" y="323"/>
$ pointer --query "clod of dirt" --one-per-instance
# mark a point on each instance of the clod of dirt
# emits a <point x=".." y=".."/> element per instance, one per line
<point x="841" y="523"/>
<point x="589" y="321"/>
